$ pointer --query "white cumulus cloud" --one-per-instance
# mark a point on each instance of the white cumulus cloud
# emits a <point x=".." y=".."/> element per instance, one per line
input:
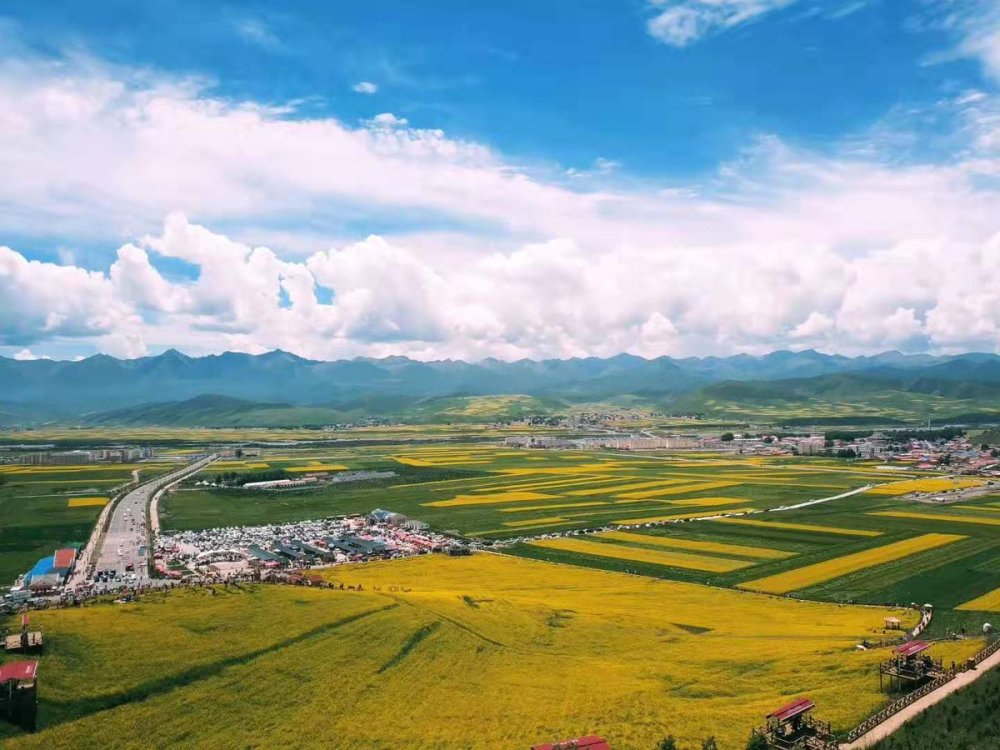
<point x="682" y="22"/>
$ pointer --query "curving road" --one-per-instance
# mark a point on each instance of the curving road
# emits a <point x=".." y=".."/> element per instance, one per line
<point x="124" y="550"/>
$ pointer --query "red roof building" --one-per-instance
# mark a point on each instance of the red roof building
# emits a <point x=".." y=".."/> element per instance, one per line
<point x="18" y="670"/>
<point x="591" y="742"/>
<point x="63" y="559"/>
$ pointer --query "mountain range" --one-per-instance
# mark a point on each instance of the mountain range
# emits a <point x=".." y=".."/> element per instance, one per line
<point x="282" y="388"/>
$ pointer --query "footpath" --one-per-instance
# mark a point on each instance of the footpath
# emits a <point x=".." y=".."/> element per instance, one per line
<point x="883" y="729"/>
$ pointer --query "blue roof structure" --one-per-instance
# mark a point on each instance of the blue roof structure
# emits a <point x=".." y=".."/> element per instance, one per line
<point x="42" y="567"/>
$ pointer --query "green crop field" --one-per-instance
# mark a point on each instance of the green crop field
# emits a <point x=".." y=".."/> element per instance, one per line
<point x="496" y="493"/>
<point x="959" y="570"/>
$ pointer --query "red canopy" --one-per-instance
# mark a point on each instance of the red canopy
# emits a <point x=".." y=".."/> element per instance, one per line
<point x="912" y="648"/>
<point x="790" y="710"/>
<point x="18" y="670"/>
<point x="591" y="742"/>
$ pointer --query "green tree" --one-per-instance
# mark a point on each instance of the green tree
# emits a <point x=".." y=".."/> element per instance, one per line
<point x="727" y="437"/>
<point x="756" y="742"/>
<point x="709" y="744"/>
<point x="667" y="743"/>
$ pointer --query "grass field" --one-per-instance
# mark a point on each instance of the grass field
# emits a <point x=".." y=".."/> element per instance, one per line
<point x="447" y="652"/>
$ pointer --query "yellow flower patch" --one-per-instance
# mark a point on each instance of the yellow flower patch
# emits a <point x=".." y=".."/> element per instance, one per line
<point x="87" y="502"/>
<point x="810" y="575"/>
<point x="496" y="499"/>
<point x="799" y="527"/>
<point x="668" y="559"/>
<point x="696" y="545"/>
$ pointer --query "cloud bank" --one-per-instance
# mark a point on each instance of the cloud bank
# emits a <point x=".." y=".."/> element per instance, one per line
<point x="845" y="250"/>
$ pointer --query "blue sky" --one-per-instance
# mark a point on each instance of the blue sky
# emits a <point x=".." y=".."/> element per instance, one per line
<point x="461" y="133"/>
<point x="559" y="81"/>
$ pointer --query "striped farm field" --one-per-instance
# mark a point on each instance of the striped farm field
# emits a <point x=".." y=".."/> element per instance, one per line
<point x="936" y="484"/>
<point x="625" y="487"/>
<point x="636" y="554"/>
<point x="697" y="545"/>
<point x="678" y="490"/>
<point x="679" y="516"/>
<point x="535" y="522"/>
<point x="497" y="499"/>
<point x="981" y="520"/>
<point x="562" y="470"/>
<point x="544" y="484"/>
<point x="810" y="575"/>
<point x="707" y="502"/>
<point x="799" y="527"/>
<point x="86" y="502"/>
<point x="989" y="602"/>
<point x="529" y="508"/>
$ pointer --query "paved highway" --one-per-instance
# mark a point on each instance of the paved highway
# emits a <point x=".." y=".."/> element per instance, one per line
<point x="124" y="552"/>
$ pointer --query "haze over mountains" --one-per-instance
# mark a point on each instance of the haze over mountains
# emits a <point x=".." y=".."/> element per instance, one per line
<point x="274" y="388"/>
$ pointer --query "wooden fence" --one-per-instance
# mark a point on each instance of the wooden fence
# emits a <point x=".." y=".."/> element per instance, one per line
<point x="896" y="706"/>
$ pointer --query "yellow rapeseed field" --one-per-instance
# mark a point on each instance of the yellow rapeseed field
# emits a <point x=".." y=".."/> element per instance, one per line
<point x="707" y="502"/>
<point x="681" y="490"/>
<point x="522" y="509"/>
<point x="936" y="484"/>
<point x="495" y="499"/>
<point x="563" y="470"/>
<point x="810" y="575"/>
<point x="989" y="602"/>
<point x="981" y="520"/>
<point x="86" y="502"/>
<point x="545" y="484"/>
<point x="625" y="487"/>
<point x="671" y="559"/>
<point x="697" y="545"/>
<point x="799" y="527"/>
<point x="679" y="516"/>
<point x="444" y="653"/>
